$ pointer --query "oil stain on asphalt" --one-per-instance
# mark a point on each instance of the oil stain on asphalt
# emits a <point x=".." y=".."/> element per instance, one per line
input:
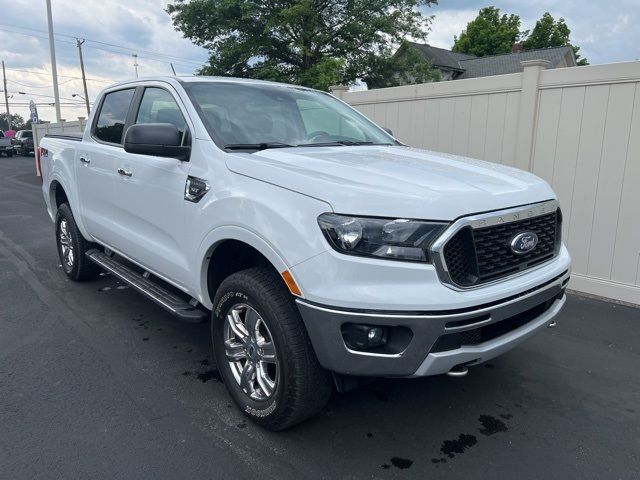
<point x="452" y="447"/>
<point x="401" y="463"/>
<point x="209" y="375"/>
<point x="490" y="426"/>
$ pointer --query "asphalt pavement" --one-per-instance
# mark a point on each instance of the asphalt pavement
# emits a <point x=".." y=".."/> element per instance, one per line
<point x="98" y="382"/>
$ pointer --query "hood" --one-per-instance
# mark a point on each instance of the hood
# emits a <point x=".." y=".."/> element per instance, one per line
<point x="390" y="181"/>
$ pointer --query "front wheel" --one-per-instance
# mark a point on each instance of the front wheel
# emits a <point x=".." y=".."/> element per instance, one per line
<point x="72" y="247"/>
<point x="263" y="351"/>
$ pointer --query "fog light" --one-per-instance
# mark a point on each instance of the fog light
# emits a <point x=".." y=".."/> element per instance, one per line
<point x="374" y="335"/>
<point x="364" y="337"/>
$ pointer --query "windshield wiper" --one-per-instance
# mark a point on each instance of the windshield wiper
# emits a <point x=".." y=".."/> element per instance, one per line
<point x="339" y="143"/>
<point x="256" y="146"/>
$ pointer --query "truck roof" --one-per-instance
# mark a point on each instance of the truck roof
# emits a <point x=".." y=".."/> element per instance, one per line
<point x="203" y="78"/>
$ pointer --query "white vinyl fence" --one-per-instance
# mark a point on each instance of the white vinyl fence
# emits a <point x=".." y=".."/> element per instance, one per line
<point x="578" y="128"/>
<point x="42" y="129"/>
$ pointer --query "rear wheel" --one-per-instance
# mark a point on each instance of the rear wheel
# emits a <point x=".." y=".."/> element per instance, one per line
<point x="72" y="247"/>
<point x="263" y="351"/>
<point x="9" y="154"/>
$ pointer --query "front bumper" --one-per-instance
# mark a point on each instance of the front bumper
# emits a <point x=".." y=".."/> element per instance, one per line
<point x="438" y="338"/>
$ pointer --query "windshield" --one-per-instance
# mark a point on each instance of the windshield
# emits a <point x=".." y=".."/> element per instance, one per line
<point x="255" y="116"/>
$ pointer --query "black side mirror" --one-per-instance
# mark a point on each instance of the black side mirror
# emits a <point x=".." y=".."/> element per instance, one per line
<point x="158" y="139"/>
<point x="388" y="130"/>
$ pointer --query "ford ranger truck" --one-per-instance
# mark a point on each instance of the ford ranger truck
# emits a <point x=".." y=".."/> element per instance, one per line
<point x="321" y="249"/>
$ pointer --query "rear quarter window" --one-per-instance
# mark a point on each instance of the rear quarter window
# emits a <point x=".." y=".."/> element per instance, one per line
<point x="113" y="115"/>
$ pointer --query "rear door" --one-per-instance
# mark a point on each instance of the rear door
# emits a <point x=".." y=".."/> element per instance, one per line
<point x="96" y="164"/>
<point x="149" y="193"/>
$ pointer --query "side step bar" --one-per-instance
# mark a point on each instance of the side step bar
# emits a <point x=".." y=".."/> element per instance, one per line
<point x="167" y="300"/>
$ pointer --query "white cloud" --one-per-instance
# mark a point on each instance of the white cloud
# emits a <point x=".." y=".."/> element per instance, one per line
<point x="605" y="31"/>
<point x="142" y="25"/>
<point x="447" y="24"/>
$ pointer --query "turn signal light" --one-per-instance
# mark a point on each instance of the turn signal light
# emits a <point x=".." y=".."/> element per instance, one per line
<point x="291" y="283"/>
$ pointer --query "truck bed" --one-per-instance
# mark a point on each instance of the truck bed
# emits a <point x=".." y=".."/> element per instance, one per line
<point x="76" y="137"/>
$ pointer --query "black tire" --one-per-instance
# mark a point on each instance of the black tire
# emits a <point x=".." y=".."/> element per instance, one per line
<point x="302" y="387"/>
<point x="80" y="268"/>
<point x="9" y="154"/>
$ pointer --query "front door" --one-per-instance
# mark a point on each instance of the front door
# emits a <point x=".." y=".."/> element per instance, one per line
<point x="149" y="194"/>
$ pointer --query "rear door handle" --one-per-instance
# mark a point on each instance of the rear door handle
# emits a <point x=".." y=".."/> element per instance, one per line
<point x="126" y="173"/>
<point x="84" y="160"/>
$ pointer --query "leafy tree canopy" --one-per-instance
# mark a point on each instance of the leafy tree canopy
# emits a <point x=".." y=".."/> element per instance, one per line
<point x="489" y="34"/>
<point x="492" y="34"/>
<point x="315" y="43"/>
<point x="17" y="122"/>
<point x="549" y="33"/>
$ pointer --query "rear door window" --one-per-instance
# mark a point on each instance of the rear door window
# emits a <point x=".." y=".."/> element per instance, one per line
<point x="113" y="116"/>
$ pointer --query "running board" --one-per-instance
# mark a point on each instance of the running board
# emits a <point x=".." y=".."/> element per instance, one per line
<point x="167" y="300"/>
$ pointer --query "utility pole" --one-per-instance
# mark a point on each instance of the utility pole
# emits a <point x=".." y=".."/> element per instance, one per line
<point x="6" y="96"/>
<point x="135" y="63"/>
<point x="54" y="68"/>
<point x="84" y="79"/>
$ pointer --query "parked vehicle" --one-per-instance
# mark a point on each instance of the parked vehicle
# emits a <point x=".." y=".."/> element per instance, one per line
<point x="23" y="142"/>
<point x="6" y="146"/>
<point x="322" y="249"/>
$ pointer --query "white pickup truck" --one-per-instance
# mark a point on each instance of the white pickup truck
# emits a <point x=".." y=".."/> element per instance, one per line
<point x="322" y="250"/>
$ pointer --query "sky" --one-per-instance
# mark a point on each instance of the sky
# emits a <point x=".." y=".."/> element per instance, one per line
<point x="605" y="30"/>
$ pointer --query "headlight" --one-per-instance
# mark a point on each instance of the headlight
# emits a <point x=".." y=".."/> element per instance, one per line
<point x="395" y="239"/>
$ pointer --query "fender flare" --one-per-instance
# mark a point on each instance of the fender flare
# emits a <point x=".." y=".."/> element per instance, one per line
<point x="232" y="232"/>
<point x="73" y="203"/>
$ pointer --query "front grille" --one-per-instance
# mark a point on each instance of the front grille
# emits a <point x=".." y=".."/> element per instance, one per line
<point x="476" y="256"/>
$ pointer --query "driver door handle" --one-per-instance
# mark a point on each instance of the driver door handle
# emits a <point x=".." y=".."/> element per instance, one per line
<point x="84" y="160"/>
<point x="126" y="173"/>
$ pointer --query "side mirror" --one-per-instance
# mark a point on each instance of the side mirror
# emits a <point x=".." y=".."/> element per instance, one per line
<point x="388" y="130"/>
<point x="158" y="139"/>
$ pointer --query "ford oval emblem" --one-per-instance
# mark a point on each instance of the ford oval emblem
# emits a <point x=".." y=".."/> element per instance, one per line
<point x="524" y="242"/>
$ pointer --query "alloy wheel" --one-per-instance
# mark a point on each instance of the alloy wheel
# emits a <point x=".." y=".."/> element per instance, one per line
<point x="250" y="351"/>
<point x="66" y="245"/>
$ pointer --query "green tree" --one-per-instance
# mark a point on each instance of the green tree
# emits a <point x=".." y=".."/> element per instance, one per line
<point x="17" y="122"/>
<point x="314" y="43"/>
<point x="489" y="33"/>
<point x="549" y="33"/>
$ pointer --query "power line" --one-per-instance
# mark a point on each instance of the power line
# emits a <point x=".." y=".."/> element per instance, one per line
<point x="38" y="95"/>
<point x="63" y="76"/>
<point x="131" y="49"/>
<point x="36" y="86"/>
<point x="48" y="104"/>
<point x="170" y="59"/>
